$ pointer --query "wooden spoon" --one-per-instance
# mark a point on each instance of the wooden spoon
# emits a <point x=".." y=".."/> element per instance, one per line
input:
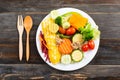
<point x="28" y="25"/>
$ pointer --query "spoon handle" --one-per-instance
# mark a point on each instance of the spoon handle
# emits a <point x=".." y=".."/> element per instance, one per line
<point x="20" y="47"/>
<point x="27" y="47"/>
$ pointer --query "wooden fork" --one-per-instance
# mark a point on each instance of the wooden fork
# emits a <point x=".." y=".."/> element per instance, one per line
<point x="20" y="28"/>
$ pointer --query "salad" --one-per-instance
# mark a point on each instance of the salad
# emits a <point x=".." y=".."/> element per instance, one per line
<point x="66" y="38"/>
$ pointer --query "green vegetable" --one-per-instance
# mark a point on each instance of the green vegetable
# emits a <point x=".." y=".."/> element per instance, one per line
<point x="77" y="38"/>
<point x="58" y="20"/>
<point x="77" y="55"/>
<point x="63" y="20"/>
<point x="96" y="33"/>
<point x="87" y="32"/>
<point x="66" y="59"/>
<point x="64" y="36"/>
<point x="88" y="35"/>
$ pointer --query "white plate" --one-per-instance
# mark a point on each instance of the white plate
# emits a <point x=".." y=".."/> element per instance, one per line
<point x="88" y="56"/>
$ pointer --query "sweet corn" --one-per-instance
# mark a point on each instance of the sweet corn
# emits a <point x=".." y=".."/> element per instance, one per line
<point x="54" y="54"/>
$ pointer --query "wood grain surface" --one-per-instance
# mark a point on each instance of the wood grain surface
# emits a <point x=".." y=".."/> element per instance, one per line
<point x="27" y="71"/>
<point x="105" y="65"/>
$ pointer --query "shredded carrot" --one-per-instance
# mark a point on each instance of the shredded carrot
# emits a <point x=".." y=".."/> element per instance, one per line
<point x="41" y="40"/>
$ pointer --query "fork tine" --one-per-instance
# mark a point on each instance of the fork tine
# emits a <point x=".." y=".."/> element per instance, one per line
<point x="18" y="21"/>
<point x="21" y="20"/>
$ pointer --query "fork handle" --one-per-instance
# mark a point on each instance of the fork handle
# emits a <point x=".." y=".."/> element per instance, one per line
<point x="27" y="47"/>
<point x="20" y="48"/>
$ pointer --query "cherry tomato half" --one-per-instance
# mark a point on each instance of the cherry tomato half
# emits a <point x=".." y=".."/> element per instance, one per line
<point x="62" y="30"/>
<point x="91" y="44"/>
<point x="70" y="31"/>
<point x="85" y="47"/>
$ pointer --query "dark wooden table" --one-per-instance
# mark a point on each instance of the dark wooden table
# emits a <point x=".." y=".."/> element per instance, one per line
<point x="105" y="65"/>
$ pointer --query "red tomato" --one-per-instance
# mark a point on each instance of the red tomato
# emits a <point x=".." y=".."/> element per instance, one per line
<point x="91" y="44"/>
<point x="70" y="31"/>
<point x="62" y="30"/>
<point x="85" y="47"/>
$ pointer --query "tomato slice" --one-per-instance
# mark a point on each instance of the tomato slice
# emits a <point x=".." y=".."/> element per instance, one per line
<point x="70" y="31"/>
<point x="91" y="44"/>
<point x="85" y="47"/>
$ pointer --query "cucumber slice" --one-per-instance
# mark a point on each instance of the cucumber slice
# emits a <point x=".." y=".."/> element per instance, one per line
<point x="78" y="38"/>
<point x="66" y="59"/>
<point x="77" y="55"/>
<point x="65" y="25"/>
<point x="54" y="14"/>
